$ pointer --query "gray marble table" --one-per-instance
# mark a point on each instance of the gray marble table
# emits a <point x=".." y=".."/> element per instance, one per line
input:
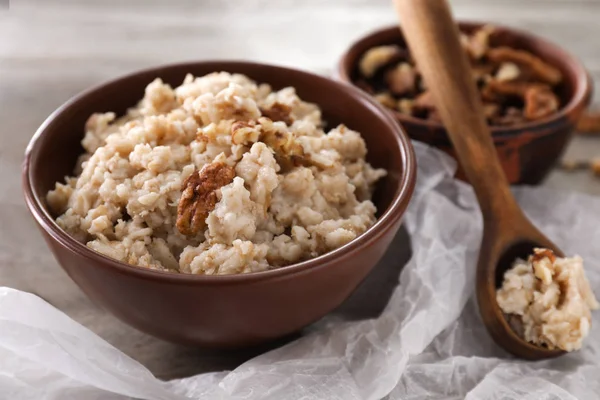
<point x="52" y="49"/>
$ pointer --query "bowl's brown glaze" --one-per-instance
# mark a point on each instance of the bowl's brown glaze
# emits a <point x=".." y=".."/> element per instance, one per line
<point x="527" y="151"/>
<point x="223" y="311"/>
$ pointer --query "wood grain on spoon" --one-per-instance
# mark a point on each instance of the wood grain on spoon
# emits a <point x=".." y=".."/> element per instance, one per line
<point x="433" y="39"/>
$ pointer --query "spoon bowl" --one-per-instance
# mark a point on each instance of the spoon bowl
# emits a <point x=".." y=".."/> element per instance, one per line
<point x="499" y="249"/>
<point x="433" y="38"/>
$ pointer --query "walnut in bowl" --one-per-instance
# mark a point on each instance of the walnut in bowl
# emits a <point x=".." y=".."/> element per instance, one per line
<point x="515" y="85"/>
<point x="535" y="92"/>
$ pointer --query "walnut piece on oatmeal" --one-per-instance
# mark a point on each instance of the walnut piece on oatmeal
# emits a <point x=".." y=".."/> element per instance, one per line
<point x="551" y="298"/>
<point x="199" y="196"/>
<point x="288" y="151"/>
<point x="220" y="175"/>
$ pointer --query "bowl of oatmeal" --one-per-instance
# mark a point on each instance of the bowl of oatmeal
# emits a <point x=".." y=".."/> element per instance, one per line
<point x="219" y="203"/>
<point x="533" y="92"/>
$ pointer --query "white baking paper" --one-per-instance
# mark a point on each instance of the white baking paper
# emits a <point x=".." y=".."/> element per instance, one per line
<point x="429" y="342"/>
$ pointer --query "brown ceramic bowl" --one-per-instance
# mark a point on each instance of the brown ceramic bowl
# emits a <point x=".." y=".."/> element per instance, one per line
<point x="527" y="151"/>
<point x="222" y="311"/>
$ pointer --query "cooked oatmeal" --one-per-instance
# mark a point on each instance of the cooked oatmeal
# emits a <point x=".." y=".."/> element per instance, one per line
<point x="220" y="175"/>
<point x="550" y="298"/>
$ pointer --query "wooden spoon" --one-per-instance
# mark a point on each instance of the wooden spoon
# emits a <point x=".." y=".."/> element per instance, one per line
<point x="433" y="38"/>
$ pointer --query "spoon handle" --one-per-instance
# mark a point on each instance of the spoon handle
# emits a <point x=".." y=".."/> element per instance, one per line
<point x="433" y="38"/>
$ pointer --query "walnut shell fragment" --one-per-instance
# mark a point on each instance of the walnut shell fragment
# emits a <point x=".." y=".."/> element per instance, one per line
<point x="199" y="197"/>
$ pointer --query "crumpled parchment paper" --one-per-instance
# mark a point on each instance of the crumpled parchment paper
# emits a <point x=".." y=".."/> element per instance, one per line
<point x="429" y="342"/>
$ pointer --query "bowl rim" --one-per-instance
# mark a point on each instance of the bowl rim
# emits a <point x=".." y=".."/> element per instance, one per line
<point x="582" y="91"/>
<point x="383" y="224"/>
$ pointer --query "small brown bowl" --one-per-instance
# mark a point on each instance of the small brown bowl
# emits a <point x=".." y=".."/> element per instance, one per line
<point x="527" y="151"/>
<point x="233" y="310"/>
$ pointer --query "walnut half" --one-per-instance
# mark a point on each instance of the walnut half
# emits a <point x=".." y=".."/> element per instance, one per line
<point x="199" y="197"/>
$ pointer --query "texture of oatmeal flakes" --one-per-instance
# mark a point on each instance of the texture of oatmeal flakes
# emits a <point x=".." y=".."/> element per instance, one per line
<point x="217" y="176"/>
<point x="552" y="299"/>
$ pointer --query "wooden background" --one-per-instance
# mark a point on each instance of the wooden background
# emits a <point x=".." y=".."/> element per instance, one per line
<point x="52" y="49"/>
